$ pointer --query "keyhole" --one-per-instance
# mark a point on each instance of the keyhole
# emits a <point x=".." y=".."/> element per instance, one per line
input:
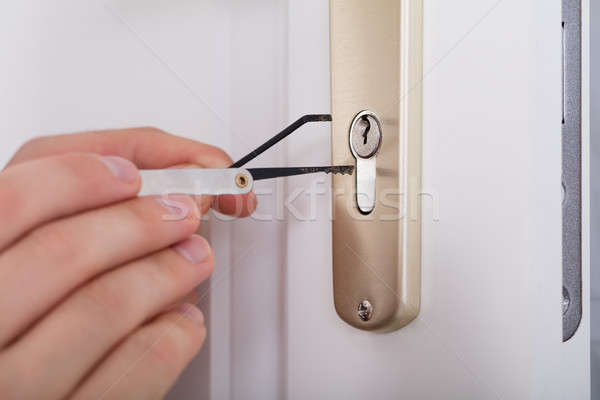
<point x="365" y="134"/>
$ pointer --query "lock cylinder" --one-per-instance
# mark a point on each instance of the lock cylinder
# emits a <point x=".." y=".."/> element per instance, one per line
<point x="366" y="138"/>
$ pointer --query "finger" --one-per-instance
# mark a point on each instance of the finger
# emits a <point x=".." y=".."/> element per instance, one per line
<point x="58" y="257"/>
<point x="42" y="190"/>
<point x="237" y="206"/>
<point x="88" y="324"/>
<point x="148" y="148"/>
<point x="147" y="364"/>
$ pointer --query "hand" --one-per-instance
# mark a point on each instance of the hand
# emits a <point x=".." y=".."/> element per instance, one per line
<point x="94" y="282"/>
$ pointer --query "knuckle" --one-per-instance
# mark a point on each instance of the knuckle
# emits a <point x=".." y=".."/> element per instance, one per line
<point x="108" y="302"/>
<point x="53" y="242"/>
<point x="81" y="175"/>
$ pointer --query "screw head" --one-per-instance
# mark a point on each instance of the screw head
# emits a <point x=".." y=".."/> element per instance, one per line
<point x="365" y="310"/>
<point x="241" y="181"/>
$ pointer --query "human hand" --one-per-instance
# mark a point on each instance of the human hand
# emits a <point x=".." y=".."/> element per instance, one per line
<point x="94" y="281"/>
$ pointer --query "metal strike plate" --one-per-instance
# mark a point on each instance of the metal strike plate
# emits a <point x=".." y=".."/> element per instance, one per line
<point x="376" y="64"/>
<point x="572" y="169"/>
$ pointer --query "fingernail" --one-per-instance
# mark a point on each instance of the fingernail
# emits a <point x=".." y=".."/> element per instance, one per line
<point x="124" y="170"/>
<point x="191" y="312"/>
<point x="195" y="249"/>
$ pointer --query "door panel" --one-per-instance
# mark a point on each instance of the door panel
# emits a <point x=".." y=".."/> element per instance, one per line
<point x="233" y="73"/>
<point x="490" y="325"/>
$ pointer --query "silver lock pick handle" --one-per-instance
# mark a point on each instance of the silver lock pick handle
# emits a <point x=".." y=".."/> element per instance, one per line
<point x="196" y="181"/>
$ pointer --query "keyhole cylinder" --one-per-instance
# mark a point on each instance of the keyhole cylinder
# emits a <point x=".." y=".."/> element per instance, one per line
<point x="365" y="141"/>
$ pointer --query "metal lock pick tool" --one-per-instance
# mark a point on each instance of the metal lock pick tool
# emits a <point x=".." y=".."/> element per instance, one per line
<point x="232" y="180"/>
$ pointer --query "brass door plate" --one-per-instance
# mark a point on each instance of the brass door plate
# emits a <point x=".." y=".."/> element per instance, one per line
<point x="376" y="65"/>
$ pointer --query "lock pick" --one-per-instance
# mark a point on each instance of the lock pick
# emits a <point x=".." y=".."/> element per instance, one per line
<point x="235" y="179"/>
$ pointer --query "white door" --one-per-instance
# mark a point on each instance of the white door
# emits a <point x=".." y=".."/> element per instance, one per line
<point x="233" y="73"/>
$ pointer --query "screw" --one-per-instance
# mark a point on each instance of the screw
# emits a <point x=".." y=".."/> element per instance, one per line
<point x="365" y="310"/>
<point x="241" y="180"/>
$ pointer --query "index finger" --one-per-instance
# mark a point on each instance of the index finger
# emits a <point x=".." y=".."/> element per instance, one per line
<point x="147" y="148"/>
